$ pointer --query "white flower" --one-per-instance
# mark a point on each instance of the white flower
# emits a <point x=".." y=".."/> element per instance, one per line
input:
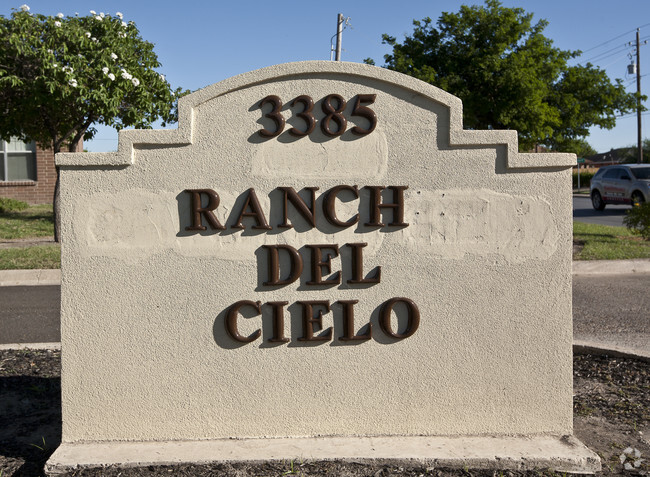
<point x="105" y="70"/>
<point x="111" y="76"/>
<point x="50" y="51"/>
<point x="162" y="77"/>
<point x="98" y="18"/>
<point x="135" y="81"/>
<point x="59" y="15"/>
<point x="119" y="15"/>
<point x="93" y="12"/>
<point x="126" y="75"/>
<point x="122" y="35"/>
<point x="54" y="65"/>
<point x="73" y="83"/>
<point x="101" y="14"/>
<point x="88" y="35"/>
<point x="124" y="25"/>
<point x="113" y="56"/>
<point x="94" y="39"/>
<point x="24" y="8"/>
<point x="68" y="69"/>
<point x="57" y="24"/>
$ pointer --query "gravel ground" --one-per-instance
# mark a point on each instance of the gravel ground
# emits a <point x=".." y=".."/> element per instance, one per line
<point x="611" y="416"/>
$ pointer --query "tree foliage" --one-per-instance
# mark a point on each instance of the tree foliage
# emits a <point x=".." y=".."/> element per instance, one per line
<point x="631" y="153"/>
<point x="510" y="76"/>
<point x="61" y="75"/>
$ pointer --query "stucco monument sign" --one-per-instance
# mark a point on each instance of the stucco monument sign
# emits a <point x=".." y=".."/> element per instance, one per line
<point x="319" y="263"/>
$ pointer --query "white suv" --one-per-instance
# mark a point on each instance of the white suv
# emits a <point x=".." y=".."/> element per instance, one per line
<point x="622" y="184"/>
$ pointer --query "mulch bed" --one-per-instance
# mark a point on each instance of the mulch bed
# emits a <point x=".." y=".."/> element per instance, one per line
<point x="611" y="416"/>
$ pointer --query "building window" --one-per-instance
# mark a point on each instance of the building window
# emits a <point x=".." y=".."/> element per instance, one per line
<point x="17" y="160"/>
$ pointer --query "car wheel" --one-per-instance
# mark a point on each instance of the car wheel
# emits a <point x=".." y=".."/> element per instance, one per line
<point x="637" y="199"/>
<point x="597" y="201"/>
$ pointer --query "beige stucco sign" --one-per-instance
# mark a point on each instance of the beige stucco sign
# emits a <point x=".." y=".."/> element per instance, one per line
<point x="319" y="251"/>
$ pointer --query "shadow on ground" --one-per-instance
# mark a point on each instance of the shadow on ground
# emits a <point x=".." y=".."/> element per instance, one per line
<point x="30" y="411"/>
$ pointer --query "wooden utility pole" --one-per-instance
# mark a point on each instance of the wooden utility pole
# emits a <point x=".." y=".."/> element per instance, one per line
<point x="339" y="36"/>
<point x="639" y="158"/>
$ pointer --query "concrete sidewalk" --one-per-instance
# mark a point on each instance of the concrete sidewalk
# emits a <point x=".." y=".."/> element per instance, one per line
<point x="16" y="278"/>
<point x="10" y="278"/>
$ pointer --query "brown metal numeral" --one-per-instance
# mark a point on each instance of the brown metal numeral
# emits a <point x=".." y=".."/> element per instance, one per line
<point x="275" y="115"/>
<point x="306" y="115"/>
<point x="364" y="112"/>
<point x="333" y="114"/>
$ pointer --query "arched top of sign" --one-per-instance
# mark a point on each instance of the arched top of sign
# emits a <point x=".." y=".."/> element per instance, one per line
<point x="458" y="137"/>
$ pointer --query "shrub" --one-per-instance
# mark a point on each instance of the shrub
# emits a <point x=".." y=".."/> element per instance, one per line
<point x="638" y="220"/>
<point x="11" y="205"/>
<point x="585" y="178"/>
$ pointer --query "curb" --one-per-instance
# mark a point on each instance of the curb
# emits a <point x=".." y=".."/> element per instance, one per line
<point x="13" y="278"/>
<point x="610" y="267"/>
<point x="579" y="347"/>
<point x="587" y="347"/>
<point x="19" y="346"/>
<point x="9" y="278"/>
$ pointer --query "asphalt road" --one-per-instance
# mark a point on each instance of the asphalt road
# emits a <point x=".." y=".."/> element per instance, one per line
<point x="607" y="309"/>
<point x="30" y="314"/>
<point x="584" y="212"/>
<point x="612" y="309"/>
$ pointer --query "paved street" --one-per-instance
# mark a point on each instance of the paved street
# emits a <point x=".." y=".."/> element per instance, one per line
<point x="30" y="314"/>
<point x="611" y="309"/>
<point x="584" y="212"/>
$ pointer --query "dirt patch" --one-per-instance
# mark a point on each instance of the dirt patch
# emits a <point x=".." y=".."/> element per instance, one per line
<point x="578" y="245"/>
<point x="611" y="416"/>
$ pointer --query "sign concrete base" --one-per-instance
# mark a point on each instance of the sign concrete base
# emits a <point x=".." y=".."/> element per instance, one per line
<point x="563" y="454"/>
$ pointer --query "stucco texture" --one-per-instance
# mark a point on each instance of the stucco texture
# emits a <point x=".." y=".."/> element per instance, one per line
<point x="486" y="257"/>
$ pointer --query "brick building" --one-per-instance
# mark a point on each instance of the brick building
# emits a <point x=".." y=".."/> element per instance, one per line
<point x="27" y="172"/>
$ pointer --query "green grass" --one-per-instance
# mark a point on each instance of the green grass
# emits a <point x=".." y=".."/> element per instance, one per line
<point x="602" y="242"/>
<point x="27" y="258"/>
<point x="35" y="221"/>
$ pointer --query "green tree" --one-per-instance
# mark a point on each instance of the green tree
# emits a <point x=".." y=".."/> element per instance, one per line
<point x="579" y="147"/>
<point x="510" y="76"/>
<point x="61" y="75"/>
<point x="631" y="153"/>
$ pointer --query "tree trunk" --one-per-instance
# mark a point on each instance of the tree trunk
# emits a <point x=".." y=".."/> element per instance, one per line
<point x="55" y="206"/>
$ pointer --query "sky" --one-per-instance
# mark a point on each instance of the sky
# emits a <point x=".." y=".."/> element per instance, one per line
<point x="203" y="42"/>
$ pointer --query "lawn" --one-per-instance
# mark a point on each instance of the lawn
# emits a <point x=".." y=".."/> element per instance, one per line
<point x="34" y="221"/>
<point x="602" y="242"/>
<point x="598" y="242"/>
<point x="28" y="258"/>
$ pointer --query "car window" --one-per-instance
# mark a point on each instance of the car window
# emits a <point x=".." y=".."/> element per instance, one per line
<point x="612" y="174"/>
<point x="642" y="172"/>
<point x="624" y="175"/>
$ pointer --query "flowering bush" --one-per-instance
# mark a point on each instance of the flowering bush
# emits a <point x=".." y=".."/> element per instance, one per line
<point x="60" y="75"/>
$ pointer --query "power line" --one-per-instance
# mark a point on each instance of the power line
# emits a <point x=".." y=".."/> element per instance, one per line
<point x="612" y="39"/>
<point x="600" y="57"/>
<point x="612" y="62"/>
